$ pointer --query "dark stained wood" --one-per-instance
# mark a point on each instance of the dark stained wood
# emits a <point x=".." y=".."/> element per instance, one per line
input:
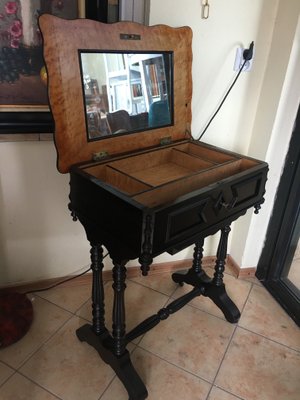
<point x="144" y="199"/>
<point x="98" y="311"/>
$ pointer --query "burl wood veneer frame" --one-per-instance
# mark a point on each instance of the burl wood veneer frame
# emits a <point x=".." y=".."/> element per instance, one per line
<point x="62" y="42"/>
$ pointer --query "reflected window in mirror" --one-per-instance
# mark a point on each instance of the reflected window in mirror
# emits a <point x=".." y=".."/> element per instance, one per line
<point x="126" y="92"/>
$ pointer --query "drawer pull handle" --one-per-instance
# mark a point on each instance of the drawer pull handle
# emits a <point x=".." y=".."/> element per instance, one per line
<point x="229" y="206"/>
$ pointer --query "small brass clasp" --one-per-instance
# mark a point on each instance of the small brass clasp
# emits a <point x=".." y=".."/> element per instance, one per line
<point x="205" y="9"/>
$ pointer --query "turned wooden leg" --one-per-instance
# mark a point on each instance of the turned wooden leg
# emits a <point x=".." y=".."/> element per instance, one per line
<point x="216" y="290"/>
<point x="195" y="275"/>
<point x="197" y="257"/>
<point x="221" y="256"/>
<point x="98" y="311"/>
<point x="118" y="327"/>
<point x="112" y="349"/>
<point x="146" y="258"/>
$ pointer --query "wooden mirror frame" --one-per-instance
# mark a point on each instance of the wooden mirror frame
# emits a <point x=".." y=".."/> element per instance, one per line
<point x="62" y="41"/>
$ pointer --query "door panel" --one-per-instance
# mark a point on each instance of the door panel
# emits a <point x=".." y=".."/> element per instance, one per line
<point x="277" y="268"/>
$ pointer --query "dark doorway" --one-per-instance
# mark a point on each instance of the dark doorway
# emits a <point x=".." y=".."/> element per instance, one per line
<point x="279" y="264"/>
<point x="102" y="10"/>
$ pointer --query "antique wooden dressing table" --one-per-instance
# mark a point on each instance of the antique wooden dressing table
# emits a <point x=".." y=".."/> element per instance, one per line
<point x="144" y="187"/>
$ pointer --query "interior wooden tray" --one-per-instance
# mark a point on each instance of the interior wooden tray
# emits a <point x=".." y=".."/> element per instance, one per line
<point x="160" y="176"/>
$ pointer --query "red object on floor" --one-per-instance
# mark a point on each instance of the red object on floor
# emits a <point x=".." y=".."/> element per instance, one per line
<point x="16" y="315"/>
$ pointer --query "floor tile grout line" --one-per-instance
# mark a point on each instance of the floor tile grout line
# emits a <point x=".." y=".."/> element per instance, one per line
<point x="44" y="343"/>
<point x="222" y="359"/>
<point x="115" y="376"/>
<point x="212" y="315"/>
<point x="222" y="318"/>
<point x="228" y="392"/>
<point x="30" y="380"/>
<point x="7" y="365"/>
<point x="8" y="378"/>
<point x="258" y="283"/>
<point x="200" y="309"/>
<point x="208" y="312"/>
<point x="165" y="273"/>
<point x="39" y="385"/>
<point x="108" y="386"/>
<point x="260" y="334"/>
<point x="269" y="339"/>
<point x="172" y="294"/>
<point x="59" y="306"/>
<point x="145" y="286"/>
<point x="173" y="364"/>
<point x="83" y="305"/>
<point x="170" y="298"/>
<point x="230" y="340"/>
<point x="142" y="335"/>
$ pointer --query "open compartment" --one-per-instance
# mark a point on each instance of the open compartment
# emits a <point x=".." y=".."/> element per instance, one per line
<point x="161" y="166"/>
<point x="206" y="153"/>
<point x="117" y="179"/>
<point x="161" y="176"/>
<point x="170" y="192"/>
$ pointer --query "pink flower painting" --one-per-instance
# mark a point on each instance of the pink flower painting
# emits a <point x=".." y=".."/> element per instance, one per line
<point x="15" y="43"/>
<point x="21" y="55"/>
<point x="16" y="29"/>
<point x="11" y="7"/>
<point x="11" y="29"/>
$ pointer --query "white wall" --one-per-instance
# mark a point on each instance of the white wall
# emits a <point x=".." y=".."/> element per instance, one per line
<point x="37" y="236"/>
<point x="134" y="10"/>
<point x="282" y="106"/>
<point x="38" y="239"/>
<point x="231" y="24"/>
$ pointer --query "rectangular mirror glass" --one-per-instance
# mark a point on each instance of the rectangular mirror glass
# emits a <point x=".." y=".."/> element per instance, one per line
<point x="126" y="92"/>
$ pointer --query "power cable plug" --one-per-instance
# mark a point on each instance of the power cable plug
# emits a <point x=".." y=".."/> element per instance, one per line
<point x="248" y="53"/>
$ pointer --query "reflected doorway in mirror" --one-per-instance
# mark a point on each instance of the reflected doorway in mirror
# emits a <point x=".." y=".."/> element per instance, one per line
<point x="126" y="92"/>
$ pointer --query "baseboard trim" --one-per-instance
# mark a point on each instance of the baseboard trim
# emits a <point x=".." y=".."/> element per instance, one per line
<point x="239" y="272"/>
<point x="247" y="272"/>
<point x="133" y="272"/>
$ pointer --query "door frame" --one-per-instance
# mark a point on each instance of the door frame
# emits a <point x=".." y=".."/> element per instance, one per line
<point x="273" y="266"/>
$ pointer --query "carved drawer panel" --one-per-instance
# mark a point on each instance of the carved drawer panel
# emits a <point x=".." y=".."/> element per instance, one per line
<point x="171" y="194"/>
<point x="204" y="212"/>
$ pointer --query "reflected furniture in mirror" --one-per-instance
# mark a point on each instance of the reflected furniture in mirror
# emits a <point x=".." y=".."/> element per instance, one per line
<point x="139" y="184"/>
<point x="126" y="92"/>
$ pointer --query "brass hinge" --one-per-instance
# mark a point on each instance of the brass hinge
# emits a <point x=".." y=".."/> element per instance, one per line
<point x="188" y="133"/>
<point x="100" y="155"/>
<point x="129" y="36"/>
<point x="165" y="140"/>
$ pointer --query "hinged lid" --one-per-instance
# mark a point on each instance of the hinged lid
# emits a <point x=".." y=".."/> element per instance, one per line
<point x="63" y="42"/>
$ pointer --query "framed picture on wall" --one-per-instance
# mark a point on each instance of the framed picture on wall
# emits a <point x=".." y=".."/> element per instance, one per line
<point x="23" y="81"/>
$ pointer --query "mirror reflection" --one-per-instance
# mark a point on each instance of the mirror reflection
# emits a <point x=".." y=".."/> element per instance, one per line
<point x="126" y="92"/>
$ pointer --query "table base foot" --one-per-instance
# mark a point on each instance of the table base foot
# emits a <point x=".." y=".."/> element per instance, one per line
<point x="216" y="293"/>
<point x="120" y="364"/>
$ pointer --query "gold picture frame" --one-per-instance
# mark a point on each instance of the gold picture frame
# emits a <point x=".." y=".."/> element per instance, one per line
<point x="23" y="80"/>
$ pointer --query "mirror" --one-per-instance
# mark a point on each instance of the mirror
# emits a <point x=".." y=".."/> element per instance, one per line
<point x="126" y="92"/>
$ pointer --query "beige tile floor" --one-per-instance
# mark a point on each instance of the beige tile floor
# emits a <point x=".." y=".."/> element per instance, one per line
<point x="193" y="355"/>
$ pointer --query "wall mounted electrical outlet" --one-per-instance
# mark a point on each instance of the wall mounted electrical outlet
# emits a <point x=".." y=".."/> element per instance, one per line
<point x="239" y="59"/>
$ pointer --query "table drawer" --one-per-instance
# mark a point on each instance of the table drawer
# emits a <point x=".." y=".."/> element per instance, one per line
<point x="194" y="215"/>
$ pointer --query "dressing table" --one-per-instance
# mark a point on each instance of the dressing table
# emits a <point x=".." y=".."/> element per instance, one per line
<point x="140" y="185"/>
